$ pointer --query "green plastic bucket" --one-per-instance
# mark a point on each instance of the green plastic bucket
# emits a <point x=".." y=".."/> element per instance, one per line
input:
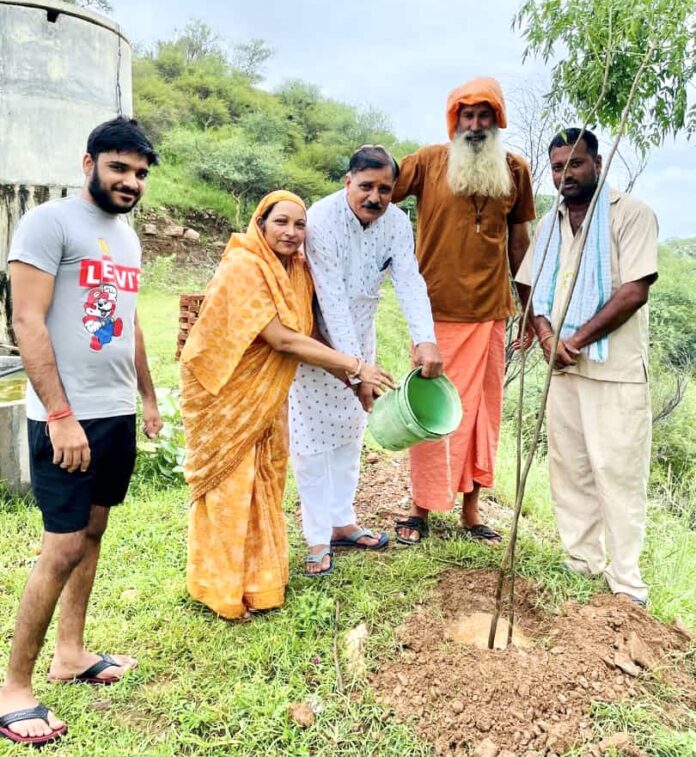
<point x="419" y="409"/>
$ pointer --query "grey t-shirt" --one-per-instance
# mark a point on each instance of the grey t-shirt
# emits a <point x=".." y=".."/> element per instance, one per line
<point x="95" y="258"/>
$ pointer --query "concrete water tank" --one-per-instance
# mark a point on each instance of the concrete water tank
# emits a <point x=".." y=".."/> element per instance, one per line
<point x="63" y="70"/>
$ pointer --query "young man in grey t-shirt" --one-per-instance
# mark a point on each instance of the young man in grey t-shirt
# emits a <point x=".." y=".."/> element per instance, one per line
<point x="75" y="273"/>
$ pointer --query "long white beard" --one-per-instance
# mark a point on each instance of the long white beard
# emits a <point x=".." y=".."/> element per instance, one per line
<point x="479" y="167"/>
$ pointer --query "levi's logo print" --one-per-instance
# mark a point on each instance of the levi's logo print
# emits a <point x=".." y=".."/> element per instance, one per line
<point x="104" y="279"/>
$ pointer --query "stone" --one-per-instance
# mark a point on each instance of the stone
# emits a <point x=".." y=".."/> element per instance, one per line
<point x="372" y="458"/>
<point x="354" y="641"/>
<point x="129" y="595"/>
<point x="219" y="244"/>
<point x="191" y="235"/>
<point x="150" y="229"/>
<point x="640" y="652"/>
<point x="486" y="748"/>
<point x="301" y="714"/>
<point x="483" y="725"/>
<point x="174" y="231"/>
<point x="623" y="662"/>
<point x="457" y="706"/>
<point x="506" y="753"/>
<point x="617" y="741"/>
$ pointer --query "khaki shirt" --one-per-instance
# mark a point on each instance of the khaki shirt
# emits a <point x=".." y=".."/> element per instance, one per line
<point x="633" y="228"/>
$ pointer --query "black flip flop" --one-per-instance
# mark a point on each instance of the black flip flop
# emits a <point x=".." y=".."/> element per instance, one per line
<point x="482" y="532"/>
<point x="91" y="675"/>
<point x="40" y="712"/>
<point x="318" y="559"/>
<point x="412" y="523"/>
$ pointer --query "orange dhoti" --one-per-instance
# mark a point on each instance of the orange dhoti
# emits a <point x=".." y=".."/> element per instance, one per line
<point x="474" y="360"/>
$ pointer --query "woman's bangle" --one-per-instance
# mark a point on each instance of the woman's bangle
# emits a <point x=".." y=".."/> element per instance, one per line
<point x="58" y="415"/>
<point x="547" y="335"/>
<point x="358" y="369"/>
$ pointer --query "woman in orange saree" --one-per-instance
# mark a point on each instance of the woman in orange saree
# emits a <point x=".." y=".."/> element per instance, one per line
<point x="236" y="370"/>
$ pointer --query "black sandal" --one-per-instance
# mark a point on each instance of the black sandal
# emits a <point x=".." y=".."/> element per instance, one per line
<point x="482" y="532"/>
<point x="413" y="523"/>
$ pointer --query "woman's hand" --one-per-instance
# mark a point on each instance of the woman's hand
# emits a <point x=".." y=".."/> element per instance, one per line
<point x="373" y="374"/>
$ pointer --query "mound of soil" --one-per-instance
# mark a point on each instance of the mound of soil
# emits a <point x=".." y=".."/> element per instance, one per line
<point x="529" y="700"/>
<point x="533" y="699"/>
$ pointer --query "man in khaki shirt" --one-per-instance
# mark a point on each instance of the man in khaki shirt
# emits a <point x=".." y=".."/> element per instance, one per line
<point x="599" y="419"/>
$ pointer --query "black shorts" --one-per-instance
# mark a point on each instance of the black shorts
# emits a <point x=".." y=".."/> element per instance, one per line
<point x="65" y="499"/>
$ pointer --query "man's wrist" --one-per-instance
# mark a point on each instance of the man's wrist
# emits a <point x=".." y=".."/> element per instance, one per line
<point x="59" y="414"/>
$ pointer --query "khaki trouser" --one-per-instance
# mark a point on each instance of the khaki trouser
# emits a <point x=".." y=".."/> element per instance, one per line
<point x="599" y="461"/>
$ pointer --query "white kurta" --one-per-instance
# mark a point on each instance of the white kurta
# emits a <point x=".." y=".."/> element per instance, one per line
<point x="348" y="265"/>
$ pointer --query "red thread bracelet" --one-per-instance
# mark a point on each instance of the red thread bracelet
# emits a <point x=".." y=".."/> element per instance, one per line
<point x="58" y="415"/>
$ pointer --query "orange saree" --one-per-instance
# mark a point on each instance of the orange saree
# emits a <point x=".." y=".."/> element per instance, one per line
<point x="233" y="390"/>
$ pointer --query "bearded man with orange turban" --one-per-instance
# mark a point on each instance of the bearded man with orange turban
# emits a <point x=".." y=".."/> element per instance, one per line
<point x="474" y="202"/>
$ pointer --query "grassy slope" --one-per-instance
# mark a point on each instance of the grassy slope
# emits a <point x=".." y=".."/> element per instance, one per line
<point x="171" y="185"/>
<point x="208" y="687"/>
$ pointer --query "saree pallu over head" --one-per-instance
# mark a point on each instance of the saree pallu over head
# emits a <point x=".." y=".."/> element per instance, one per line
<point x="233" y="383"/>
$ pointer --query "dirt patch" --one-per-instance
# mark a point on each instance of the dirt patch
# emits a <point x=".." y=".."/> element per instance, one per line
<point x="474" y="630"/>
<point x="384" y="494"/>
<point x="529" y="701"/>
<point x="196" y="240"/>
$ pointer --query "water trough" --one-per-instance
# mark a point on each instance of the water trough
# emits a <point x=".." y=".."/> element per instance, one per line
<point x="14" y="449"/>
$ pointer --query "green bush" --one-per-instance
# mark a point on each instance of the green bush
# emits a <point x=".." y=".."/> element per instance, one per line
<point x="672" y="306"/>
<point x="163" y="457"/>
<point x="674" y="437"/>
<point x="225" y="159"/>
<point x="309" y="184"/>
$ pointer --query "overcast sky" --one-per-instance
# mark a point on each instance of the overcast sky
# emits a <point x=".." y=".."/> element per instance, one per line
<point x="402" y="56"/>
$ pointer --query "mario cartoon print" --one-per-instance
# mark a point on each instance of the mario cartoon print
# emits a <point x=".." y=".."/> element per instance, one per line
<point x="99" y="319"/>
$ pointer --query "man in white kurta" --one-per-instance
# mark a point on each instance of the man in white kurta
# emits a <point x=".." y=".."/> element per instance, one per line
<point x="355" y="239"/>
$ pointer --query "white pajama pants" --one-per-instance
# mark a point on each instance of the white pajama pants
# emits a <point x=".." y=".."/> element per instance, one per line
<point x="327" y="482"/>
<point x="599" y="460"/>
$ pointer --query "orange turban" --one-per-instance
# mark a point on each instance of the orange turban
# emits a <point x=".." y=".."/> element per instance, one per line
<point x="483" y="89"/>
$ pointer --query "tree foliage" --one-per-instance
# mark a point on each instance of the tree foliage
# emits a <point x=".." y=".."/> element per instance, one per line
<point x="104" y="6"/>
<point x="250" y="58"/>
<point x="213" y="119"/>
<point x="600" y="45"/>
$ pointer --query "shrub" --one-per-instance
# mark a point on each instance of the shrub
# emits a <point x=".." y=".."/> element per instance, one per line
<point x="163" y="457"/>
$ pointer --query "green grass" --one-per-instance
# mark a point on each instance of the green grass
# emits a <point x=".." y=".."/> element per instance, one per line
<point x="209" y="687"/>
<point x="171" y="186"/>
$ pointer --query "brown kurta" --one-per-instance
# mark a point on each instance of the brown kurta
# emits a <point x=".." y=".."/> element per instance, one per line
<point x="466" y="272"/>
